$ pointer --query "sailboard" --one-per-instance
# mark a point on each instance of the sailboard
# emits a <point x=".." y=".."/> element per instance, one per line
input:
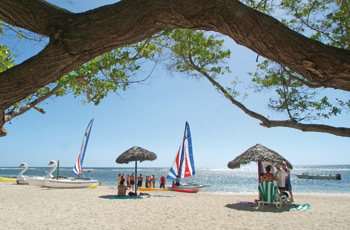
<point x="183" y="165"/>
<point x="77" y="169"/>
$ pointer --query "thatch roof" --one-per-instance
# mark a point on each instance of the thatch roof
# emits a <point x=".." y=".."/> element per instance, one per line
<point x="136" y="154"/>
<point x="258" y="153"/>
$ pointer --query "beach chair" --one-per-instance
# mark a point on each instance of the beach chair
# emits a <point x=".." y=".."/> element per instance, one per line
<point x="269" y="194"/>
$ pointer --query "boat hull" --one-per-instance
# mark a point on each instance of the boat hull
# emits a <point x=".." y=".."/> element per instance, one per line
<point x="190" y="186"/>
<point x="37" y="181"/>
<point x="69" y="183"/>
<point x="185" y="190"/>
<point x="24" y="182"/>
<point x="320" y="177"/>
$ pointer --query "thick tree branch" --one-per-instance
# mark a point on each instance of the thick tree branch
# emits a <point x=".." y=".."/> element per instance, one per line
<point x="77" y="38"/>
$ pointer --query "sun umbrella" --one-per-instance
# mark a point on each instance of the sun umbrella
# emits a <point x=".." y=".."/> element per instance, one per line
<point x="258" y="153"/>
<point x="136" y="154"/>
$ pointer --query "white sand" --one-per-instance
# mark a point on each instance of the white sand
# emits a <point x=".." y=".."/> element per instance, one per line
<point x="29" y="207"/>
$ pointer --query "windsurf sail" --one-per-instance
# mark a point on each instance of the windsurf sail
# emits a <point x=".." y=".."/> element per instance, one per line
<point x="78" y="167"/>
<point x="183" y="165"/>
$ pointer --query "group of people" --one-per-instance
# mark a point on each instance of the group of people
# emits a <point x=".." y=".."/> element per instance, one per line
<point x="150" y="182"/>
<point x="282" y="177"/>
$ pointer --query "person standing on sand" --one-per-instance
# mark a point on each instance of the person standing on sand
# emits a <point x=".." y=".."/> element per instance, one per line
<point x="122" y="179"/>
<point x="281" y="178"/>
<point x="146" y="181"/>
<point x="153" y="181"/>
<point x="139" y="181"/>
<point x="132" y="181"/>
<point x="128" y="181"/>
<point x="162" y="182"/>
<point x="177" y="181"/>
<point x="119" y="178"/>
<point x="288" y="185"/>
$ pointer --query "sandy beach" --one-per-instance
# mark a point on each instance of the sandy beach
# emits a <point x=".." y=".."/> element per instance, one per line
<point x="29" y="207"/>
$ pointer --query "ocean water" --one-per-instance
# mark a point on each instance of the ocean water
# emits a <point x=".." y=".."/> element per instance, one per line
<point x="243" y="180"/>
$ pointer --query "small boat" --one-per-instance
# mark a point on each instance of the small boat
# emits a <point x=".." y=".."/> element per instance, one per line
<point x="77" y="169"/>
<point x="319" y="177"/>
<point x="21" y="179"/>
<point x="68" y="182"/>
<point x="183" y="165"/>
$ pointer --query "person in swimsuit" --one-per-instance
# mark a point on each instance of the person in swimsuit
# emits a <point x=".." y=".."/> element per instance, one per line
<point x="139" y="181"/>
<point x="177" y="181"/>
<point x="128" y="181"/>
<point x="162" y="182"/>
<point x="122" y="189"/>
<point x="153" y="181"/>
<point x="119" y="178"/>
<point x="132" y="181"/>
<point x="268" y="176"/>
<point x="288" y="185"/>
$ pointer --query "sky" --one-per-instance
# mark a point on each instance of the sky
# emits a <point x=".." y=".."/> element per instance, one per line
<point x="152" y="115"/>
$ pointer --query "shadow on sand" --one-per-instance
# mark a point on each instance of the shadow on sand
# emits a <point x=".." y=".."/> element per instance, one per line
<point x="255" y="208"/>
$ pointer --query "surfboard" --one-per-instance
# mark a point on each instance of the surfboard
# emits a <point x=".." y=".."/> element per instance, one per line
<point x="7" y="179"/>
<point x="153" y="189"/>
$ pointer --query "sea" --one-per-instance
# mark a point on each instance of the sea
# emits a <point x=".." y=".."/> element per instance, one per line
<point x="242" y="180"/>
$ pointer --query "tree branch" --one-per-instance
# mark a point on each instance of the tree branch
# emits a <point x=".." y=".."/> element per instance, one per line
<point x="77" y="38"/>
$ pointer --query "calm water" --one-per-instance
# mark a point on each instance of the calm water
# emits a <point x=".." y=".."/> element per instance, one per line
<point x="243" y="180"/>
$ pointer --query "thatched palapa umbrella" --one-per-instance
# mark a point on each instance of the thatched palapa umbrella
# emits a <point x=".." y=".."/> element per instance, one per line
<point x="136" y="154"/>
<point x="258" y="153"/>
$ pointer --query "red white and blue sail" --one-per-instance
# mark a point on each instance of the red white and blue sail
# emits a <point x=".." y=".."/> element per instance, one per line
<point x="78" y="167"/>
<point x="183" y="165"/>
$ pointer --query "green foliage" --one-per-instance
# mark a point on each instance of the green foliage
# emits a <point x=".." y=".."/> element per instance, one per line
<point x="327" y="21"/>
<point x="197" y="54"/>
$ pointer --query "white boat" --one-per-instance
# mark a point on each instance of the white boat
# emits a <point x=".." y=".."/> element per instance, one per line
<point x="319" y="177"/>
<point x="183" y="165"/>
<point x="77" y="169"/>
<point x="21" y="179"/>
<point x="70" y="183"/>
<point x="40" y="181"/>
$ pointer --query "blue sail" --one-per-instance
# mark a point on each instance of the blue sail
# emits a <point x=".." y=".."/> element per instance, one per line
<point x="78" y="167"/>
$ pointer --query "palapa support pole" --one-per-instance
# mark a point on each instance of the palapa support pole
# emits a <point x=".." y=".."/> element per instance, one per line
<point x="135" y="177"/>
<point x="259" y="176"/>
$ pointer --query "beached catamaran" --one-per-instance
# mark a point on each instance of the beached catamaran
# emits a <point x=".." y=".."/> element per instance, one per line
<point x="77" y="169"/>
<point x="183" y="165"/>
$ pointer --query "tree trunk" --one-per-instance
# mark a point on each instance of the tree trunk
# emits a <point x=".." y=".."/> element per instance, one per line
<point x="77" y="38"/>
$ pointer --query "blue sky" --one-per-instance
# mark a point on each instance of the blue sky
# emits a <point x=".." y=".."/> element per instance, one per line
<point x="153" y="115"/>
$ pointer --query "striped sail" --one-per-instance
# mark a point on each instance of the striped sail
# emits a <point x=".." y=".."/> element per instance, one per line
<point x="77" y="169"/>
<point x="183" y="165"/>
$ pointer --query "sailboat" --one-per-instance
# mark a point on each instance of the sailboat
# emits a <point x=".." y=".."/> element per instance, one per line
<point x="183" y="165"/>
<point x="77" y="169"/>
